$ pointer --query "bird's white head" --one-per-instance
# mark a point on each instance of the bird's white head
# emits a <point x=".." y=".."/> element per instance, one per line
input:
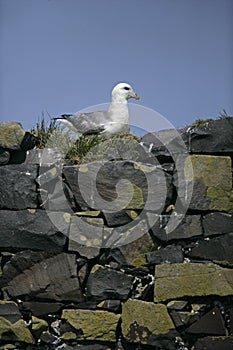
<point x="122" y="92"/>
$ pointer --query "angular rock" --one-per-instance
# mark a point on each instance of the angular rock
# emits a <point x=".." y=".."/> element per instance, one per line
<point x="173" y="281"/>
<point x="18" y="186"/>
<point x="4" y="156"/>
<point x="131" y="251"/>
<point x="110" y="305"/>
<point x="212" y="178"/>
<point x="211" y="323"/>
<point x="118" y="218"/>
<point x="15" y="332"/>
<point x="212" y="137"/>
<point x="86" y="236"/>
<point x="177" y="227"/>
<point x="44" y="157"/>
<point x="217" y="224"/>
<point x="214" y="343"/>
<point x="147" y="323"/>
<point x="10" y="311"/>
<point x="218" y="249"/>
<point x="119" y="185"/>
<point x="177" y="305"/>
<point x="104" y="283"/>
<point x="90" y="325"/>
<point x="33" y="229"/>
<point x="38" y="326"/>
<point x="52" y="279"/>
<point x="14" y="142"/>
<point x="20" y="262"/>
<point x="182" y="318"/>
<point x="171" y="254"/>
<point x="41" y="308"/>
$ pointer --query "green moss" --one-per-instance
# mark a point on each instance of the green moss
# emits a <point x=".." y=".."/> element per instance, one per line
<point x="19" y="329"/>
<point x="11" y="134"/>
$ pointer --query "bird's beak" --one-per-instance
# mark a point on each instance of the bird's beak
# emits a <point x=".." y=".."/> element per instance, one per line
<point x="133" y="95"/>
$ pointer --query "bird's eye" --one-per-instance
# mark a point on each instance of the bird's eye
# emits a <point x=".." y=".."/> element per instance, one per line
<point x="126" y="88"/>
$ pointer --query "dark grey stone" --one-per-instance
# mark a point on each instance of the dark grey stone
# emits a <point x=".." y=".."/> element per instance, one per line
<point x="218" y="249"/>
<point x="214" y="343"/>
<point x="38" y="308"/>
<point x="10" y="311"/>
<point x="4" y="156"/>
<point x="171" y="254"/>
<point x="54" y="278"/>
<point x="26" y="229"/>
<point x="94" y="185"/>
<point x="20" y="262"/>
<point x="118" y="218"/>
<point x="169" y="228"/>
<point x="45" y="156"/>
<point x="177" y="305"/>
<point x="104" y="283"/>
<point x="18" y="187"/>
<point x="217" y="223"/>
<point x="211" y="323"/>
<point x="212" y="137"/>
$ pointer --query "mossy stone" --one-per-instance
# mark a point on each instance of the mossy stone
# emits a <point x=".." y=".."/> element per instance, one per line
<point x="173" y="281"/>
<point x="11" y="134"/>
<point x="143" y="321"/>
<point x="38" y="326"/>
<point x="212" y="179"/>
<point x="94" y="325"/>
<point x="18" y="330"/>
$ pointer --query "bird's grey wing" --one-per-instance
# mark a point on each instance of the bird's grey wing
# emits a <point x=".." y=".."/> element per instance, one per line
<point x="88" y="123"/>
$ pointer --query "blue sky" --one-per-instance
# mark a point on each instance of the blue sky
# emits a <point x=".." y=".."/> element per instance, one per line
<point x="60" y="56"/>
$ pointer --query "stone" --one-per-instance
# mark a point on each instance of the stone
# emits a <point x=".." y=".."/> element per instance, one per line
<point x="39" y="309"/>
<point x="171" y="254"/>
<point x="38" y="326"/>
<point x="173" y="281"/>
<point x="10" y="311"/>
<point x="20" y="262"/>
<point x="18" y="186"/>
<point x="46" y="156"/>
<point x="177" y="305"/>
<point x="119" y="185"/>
<point x="110" y="305"/>
<point x="119" y="218"/>
<point x="217" y="224"/>
<point x="214" y="343"/>
<point x="52" y="279"/>
<point x="212" y="137"/>
<point x="15" y="332"/>
<point x="147" y="323"/>
<point x="179" y="227"/>
<point x="48" y="338"/>
<point x="90" y="325"/>
<point x="11" y="135"/>
<point x="86" y="236"/>
<point x="131" y="251"/>
<point x="212" y="179"/>
<point x="182" y="318"/>
<point x="218" y="250"/>
<point x="33" y="229"/>
<point x="211" y="323"/>
<point x="4" y="156"/>
<point x="166" y="143"/>
<point x="14" y="142"/>
<point x="105" y="283"/>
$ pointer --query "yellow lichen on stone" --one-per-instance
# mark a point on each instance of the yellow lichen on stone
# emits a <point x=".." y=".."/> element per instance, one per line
<point x="53" y="171"/>
<point x="66" y="217"/>
<point x="83" y="168"/>
<point x="31" y="211"/>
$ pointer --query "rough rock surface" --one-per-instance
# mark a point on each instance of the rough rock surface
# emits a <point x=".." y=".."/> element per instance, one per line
<point x="217" y="223"/>
<point x="146" y="323"/>
<point x="83" y="325"/>
<point x="54" y="278"/>
<point x="32" y="229"/>
<point x="212" y="178"/>
<point x="191" y="279"/>
<point x="104" y="283"/>
<point x="18" y="186"/>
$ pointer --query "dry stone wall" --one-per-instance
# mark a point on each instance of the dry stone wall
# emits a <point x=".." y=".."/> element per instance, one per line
<point x="153" y="272"/>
